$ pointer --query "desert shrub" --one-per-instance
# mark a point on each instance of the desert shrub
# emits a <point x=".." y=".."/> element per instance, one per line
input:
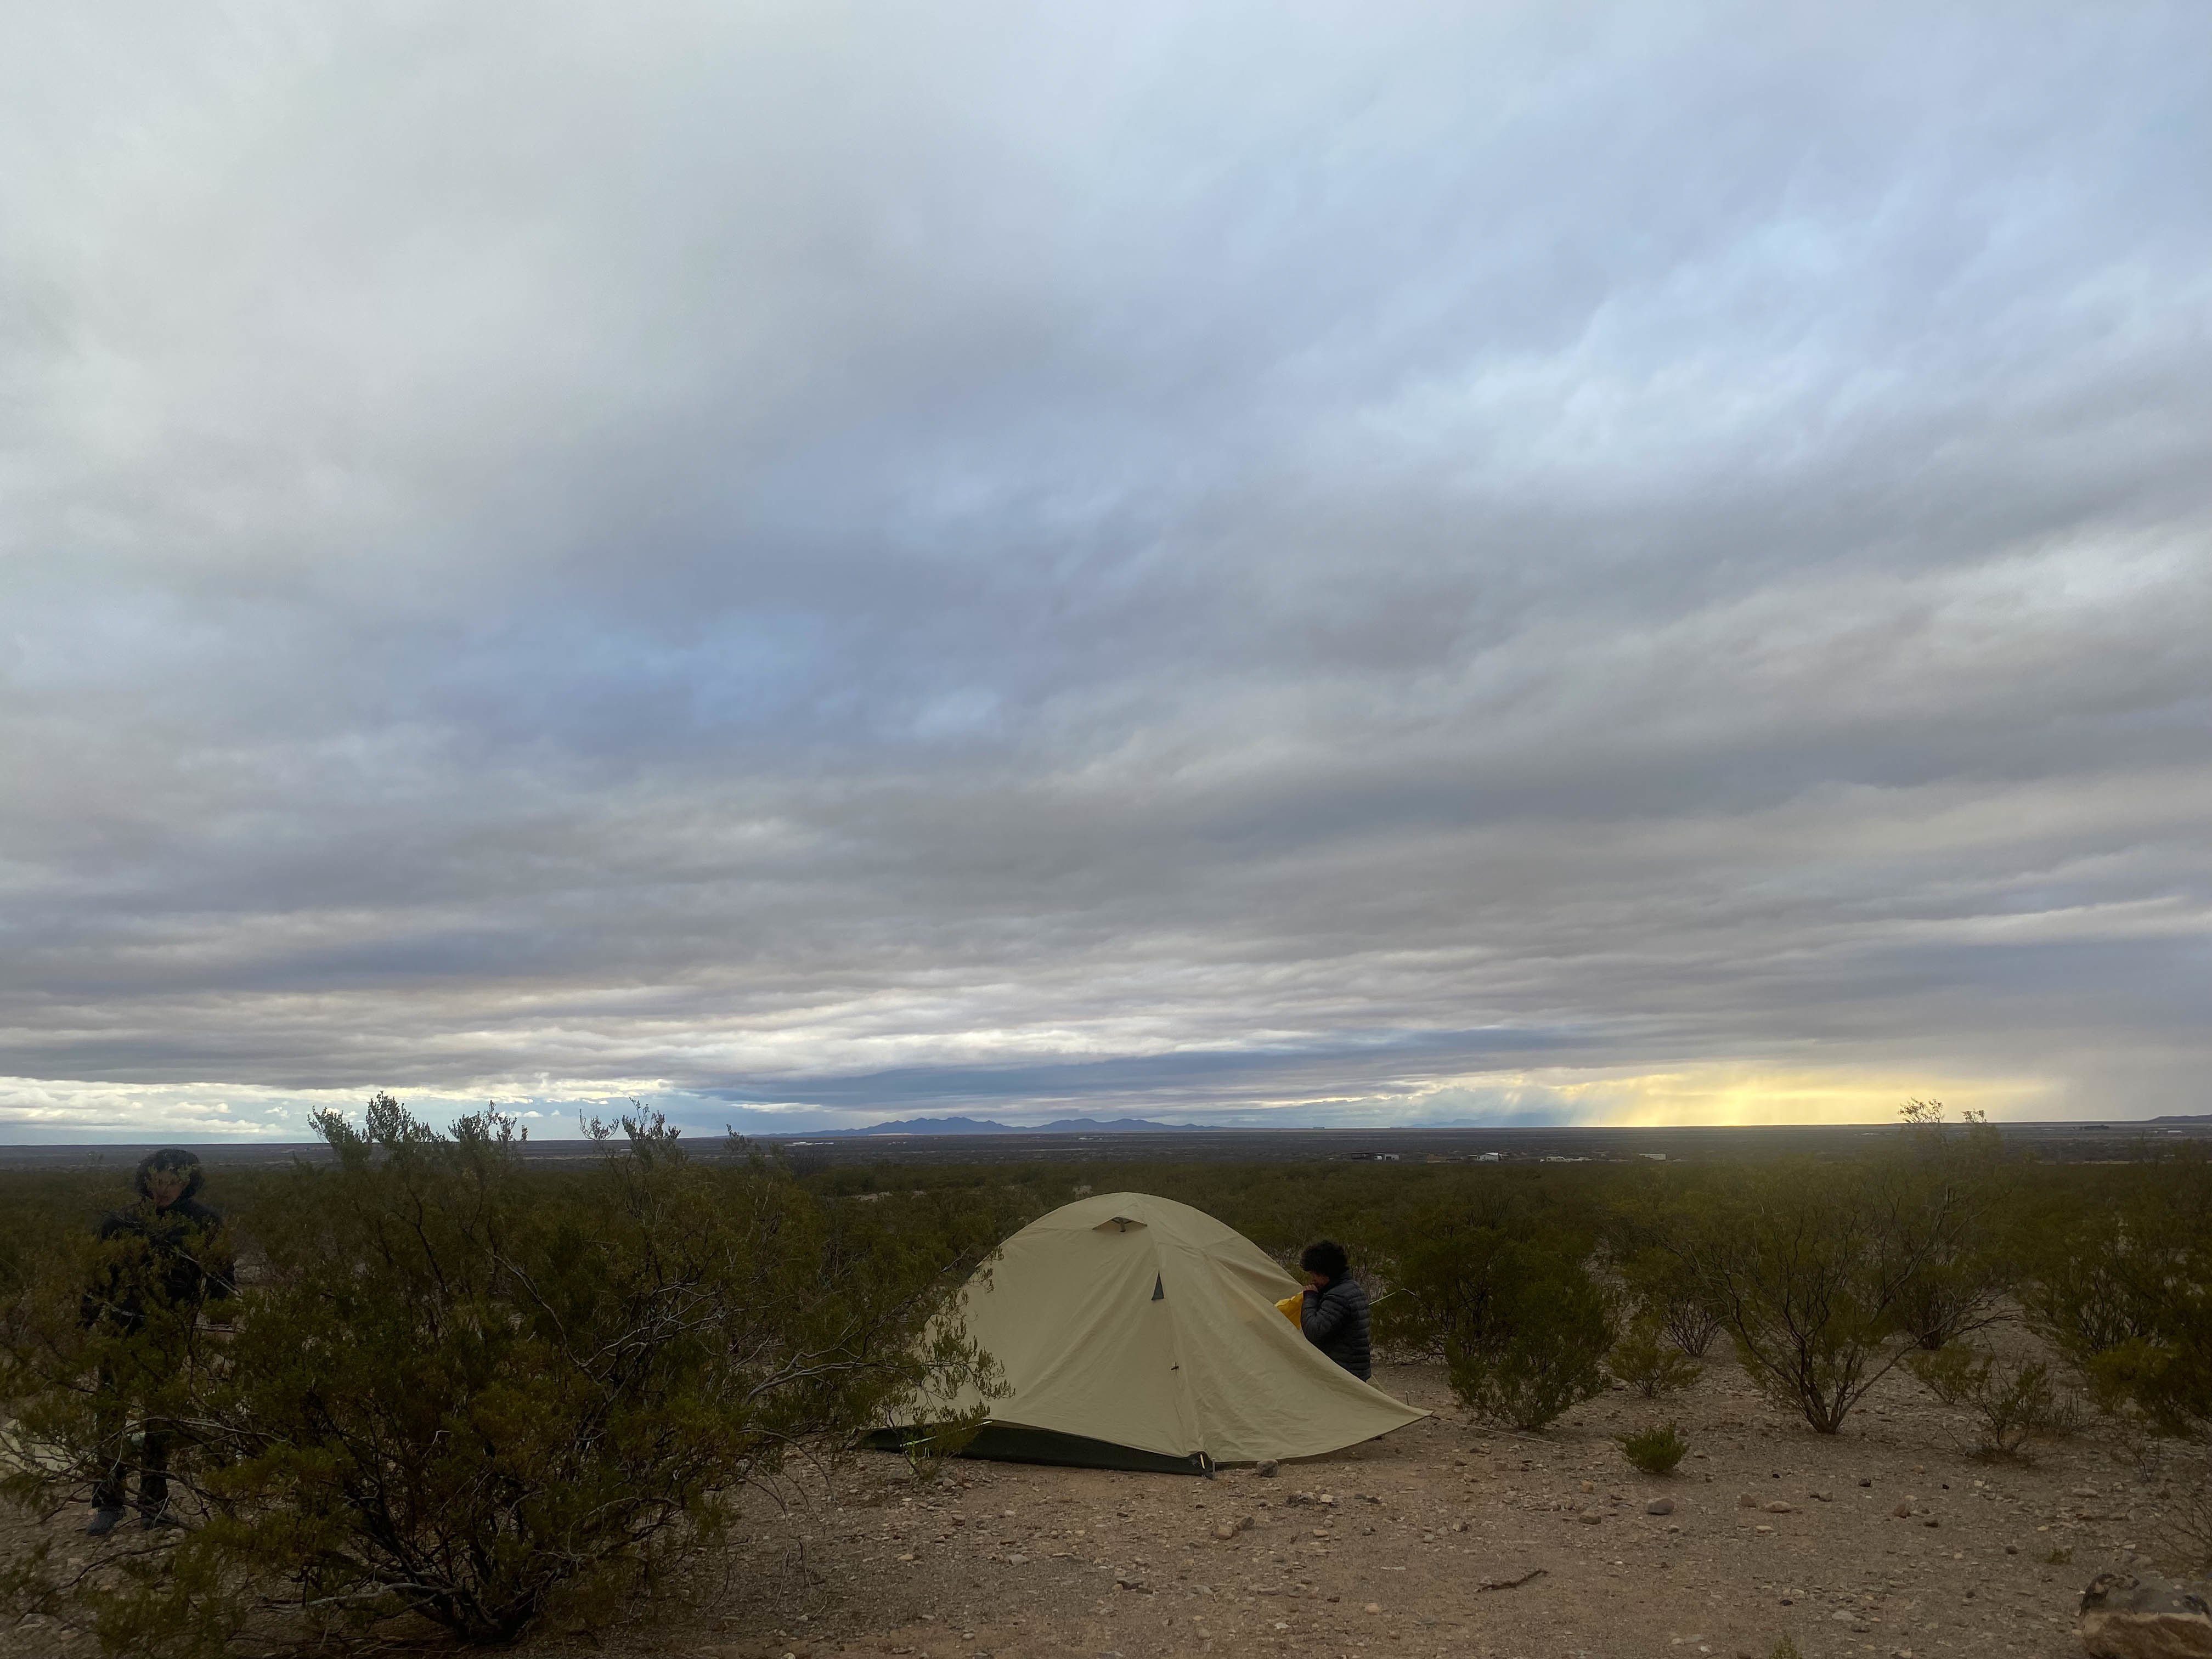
<point x="1813" y="1269"/>
<point x="1950" y="1299"/>
<point x="2098" y="1286"/>
<point x="2014" y="1404"/>
<point x="2125" y="1292"/>
<point x="1523" y="1330"/>
<point x="1944" y="1187"/>
<point x="2188" y="1519"/>
<point x="1655" y="1450"/>
<point x="2166" y="1380"/>
<point x="1671" y="1298"/>
<point x="466" y="1394"/>
<point x="1649" y="1364"/>
<point x="1540" y="1352"/>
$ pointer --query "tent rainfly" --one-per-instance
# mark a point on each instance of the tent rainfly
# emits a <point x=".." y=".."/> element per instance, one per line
<point x="1140" y="1333"/>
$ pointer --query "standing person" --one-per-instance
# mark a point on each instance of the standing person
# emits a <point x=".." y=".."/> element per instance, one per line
<point x="1335" y="1314"/>
<point x="165" y="1255"/>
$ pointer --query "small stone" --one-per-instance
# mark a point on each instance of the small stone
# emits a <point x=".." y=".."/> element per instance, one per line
<point x="1589" y="1518"/>
<point x="1866" y="1483"/>
<point x="1762" y="1529"/>
<point x="1822" y="1496"/>
<point x="1744" y="1500"/>
<point x="1374" y="1607"/>
<point x="2011" y="1549"/>
<point x="1778" y="1508"/>
<point x="1659" y="1506"/>
<point x="1267" y="1469"/>
<point x="1931" y="1521"/>
<point x="1902" y="1512"/>
<point x="2126" y="1617"/>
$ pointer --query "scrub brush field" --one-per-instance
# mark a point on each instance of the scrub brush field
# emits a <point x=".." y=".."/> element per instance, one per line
<point x="1903" y="1402"/>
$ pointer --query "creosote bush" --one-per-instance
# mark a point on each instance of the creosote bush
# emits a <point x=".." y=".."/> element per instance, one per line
<point x="1648" y="1363"/>
<point x="2188" y="1515"/>
<point x="468" y="1396"/>
<point x="1956" y="1179"/>
<point x="1655" y="1450"/>
<point x="2124" y="1291"/>
<point x="2014" y="1404"/>
<point x="1523" y="1329"/>
<point x="1828" y="1275"/>
<point x="1671" y="1298"/>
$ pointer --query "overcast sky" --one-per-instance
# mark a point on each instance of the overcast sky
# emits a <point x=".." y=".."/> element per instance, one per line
<point x="816" y="564"/>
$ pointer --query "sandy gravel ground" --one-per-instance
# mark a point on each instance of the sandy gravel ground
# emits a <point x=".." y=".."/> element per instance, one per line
<point x="1390" y="1546"/>
<point x="1425" y="1542"/>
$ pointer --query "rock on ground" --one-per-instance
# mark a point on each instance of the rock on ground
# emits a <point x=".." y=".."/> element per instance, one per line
<point x="2125" y="1617"/>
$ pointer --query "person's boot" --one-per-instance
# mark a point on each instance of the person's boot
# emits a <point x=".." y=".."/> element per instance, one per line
<point x="104" y="1519"/>
<point x="161" y="1518"/>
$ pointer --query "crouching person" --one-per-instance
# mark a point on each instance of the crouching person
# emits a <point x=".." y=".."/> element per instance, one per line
<point x="163" y="1258"/>
<point x="1335" y="1314"/>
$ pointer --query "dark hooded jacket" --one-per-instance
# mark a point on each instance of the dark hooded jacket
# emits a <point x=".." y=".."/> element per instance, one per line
<point x="1334" y="1320"/>
<point x="176" y="1258"/>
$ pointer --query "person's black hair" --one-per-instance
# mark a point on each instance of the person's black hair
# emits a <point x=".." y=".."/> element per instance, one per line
<point x="182" y="1159"/>
<point x="1327" y="1258"/>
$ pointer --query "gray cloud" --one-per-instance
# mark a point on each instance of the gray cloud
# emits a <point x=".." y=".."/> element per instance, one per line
<point x="1194" y="561"/>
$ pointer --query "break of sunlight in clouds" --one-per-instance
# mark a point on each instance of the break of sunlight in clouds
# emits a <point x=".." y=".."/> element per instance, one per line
<point x="810" y="566"/>
<point x="1738" y="1095"/>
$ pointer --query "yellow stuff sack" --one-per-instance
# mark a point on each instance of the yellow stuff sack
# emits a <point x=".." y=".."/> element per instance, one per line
<point x="1289" y="1307"/>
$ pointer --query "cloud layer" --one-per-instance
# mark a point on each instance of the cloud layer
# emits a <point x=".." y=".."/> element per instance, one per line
<point x="1575" y="560"/>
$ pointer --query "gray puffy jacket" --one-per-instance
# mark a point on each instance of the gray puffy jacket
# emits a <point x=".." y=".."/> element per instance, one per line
<point x="1334" y="1320"/>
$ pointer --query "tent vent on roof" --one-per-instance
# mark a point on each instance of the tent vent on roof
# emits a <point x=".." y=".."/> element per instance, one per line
<point x="1108" y="1372"/>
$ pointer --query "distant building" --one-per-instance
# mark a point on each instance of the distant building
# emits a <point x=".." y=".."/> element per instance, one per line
<point x="1656" y="1157"/>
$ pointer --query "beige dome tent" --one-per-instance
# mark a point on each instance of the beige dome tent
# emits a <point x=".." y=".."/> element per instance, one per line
<point x="1137" y="1332"/>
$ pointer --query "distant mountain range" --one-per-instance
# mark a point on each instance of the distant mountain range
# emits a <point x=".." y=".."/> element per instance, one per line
<point x="971" y="1125"/>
